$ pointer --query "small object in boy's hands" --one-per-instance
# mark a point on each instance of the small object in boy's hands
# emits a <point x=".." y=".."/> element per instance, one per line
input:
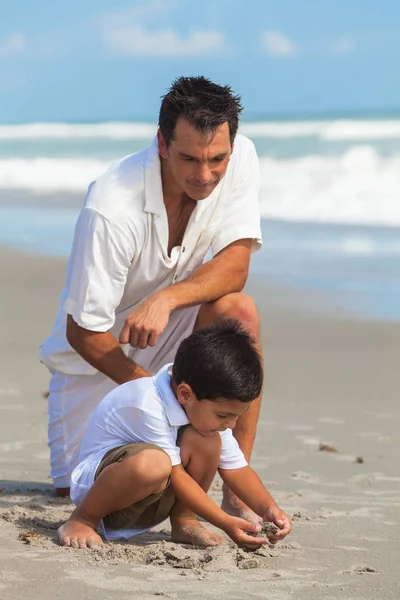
<point x="268" y="529"/>
<point x="327" y="448"/>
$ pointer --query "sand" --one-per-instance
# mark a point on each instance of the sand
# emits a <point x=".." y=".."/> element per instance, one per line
<point x="327" y="448"/>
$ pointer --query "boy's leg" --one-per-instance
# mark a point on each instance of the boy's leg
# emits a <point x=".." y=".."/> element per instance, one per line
<point x="118" y="486"/>
<point x="200" y="457"/>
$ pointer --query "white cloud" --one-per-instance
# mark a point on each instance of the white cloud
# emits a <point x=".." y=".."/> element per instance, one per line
<point x="12" y="45"/>
<point x="148" y="11"/>
<point x="134" y="40"/>
<point x="344" y="45"/>
<point x="277" y="44"/>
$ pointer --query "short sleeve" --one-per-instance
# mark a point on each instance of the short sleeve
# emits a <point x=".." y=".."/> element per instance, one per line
<point x="136" y="424"/>
<point x="231" y="455"/>
<point x="101" y="256"/>
<point x="240" y="218"/>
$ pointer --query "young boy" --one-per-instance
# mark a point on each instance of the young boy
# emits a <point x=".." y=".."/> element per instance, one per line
<point x="154" y="444"/>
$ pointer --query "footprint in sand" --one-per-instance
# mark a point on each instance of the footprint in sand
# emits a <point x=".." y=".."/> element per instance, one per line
<point x="305" y="477"/>
<point x="359" y="570"/>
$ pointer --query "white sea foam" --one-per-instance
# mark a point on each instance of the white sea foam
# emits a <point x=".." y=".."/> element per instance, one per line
<point x="328" y="130"/>
<point x="40" y="175"/>
<point x="359" y="186"/>
<point x="111" y="130"/>
<point x="337" y="130"/>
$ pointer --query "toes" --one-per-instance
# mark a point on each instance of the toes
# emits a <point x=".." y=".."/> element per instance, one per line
<point x="64" y="541"/>
<point x="82" y="543"/>
<point x="74" y="543"/>
<point x="94" y="542"/>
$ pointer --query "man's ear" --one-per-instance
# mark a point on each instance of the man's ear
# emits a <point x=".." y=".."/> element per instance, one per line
<point x="162" y="146"/>
<point x="184" y="394"/>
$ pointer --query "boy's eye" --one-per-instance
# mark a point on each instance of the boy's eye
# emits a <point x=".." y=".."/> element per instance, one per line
<point x="222" y="416"/>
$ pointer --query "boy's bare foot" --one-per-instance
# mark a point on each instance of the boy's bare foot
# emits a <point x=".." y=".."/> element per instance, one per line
<point x="61" y="492"/>
<point x="190" y="531"/>
<point x="78" y="534"/>
<point x="236" y="508"/>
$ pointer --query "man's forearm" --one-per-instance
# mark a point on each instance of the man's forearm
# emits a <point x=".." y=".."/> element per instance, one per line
<point x="226" y="273"/>
<point x="103" y="352"/>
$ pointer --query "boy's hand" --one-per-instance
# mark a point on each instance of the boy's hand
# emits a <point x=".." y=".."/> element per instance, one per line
<point x="275" y="515"/>
<point x="239" y="530"/>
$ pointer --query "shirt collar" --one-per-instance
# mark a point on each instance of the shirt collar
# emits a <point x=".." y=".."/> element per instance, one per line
<point x="154" y="200"/>
<point x="175" y="414"/>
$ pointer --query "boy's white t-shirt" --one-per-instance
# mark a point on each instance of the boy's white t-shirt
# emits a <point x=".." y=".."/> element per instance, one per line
<point x="144" y="410"/>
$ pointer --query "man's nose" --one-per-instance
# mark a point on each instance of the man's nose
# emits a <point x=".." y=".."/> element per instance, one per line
<point x="203" y="174"/>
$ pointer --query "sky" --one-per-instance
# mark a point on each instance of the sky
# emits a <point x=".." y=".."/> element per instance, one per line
<point x="93" y="60"/>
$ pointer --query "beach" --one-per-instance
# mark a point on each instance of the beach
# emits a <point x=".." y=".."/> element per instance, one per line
<point x="327" y="448"/>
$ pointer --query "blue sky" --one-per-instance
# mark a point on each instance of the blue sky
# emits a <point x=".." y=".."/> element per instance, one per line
<point x="101" y="59"/>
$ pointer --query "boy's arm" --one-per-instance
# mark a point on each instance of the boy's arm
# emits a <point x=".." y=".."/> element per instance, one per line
<point x="195" y="498"/>
<point x="245" y="483"/>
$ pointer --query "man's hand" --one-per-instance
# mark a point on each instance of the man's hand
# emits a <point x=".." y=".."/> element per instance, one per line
<point x="275" y="515"/>
<point x="145" y="324"/>
<point x="240" y="532"/>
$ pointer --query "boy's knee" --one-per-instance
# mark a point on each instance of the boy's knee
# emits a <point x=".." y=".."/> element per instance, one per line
<point x="150" y="463"/>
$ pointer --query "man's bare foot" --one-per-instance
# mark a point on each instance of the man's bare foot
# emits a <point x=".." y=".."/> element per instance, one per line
<point x="78" y="534"/>
<point x="62" y="492"/>
<point x="236" y="508"/>
<point x="190" y="531"/>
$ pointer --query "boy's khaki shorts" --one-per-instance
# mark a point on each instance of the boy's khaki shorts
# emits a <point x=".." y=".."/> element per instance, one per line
<point x="149" y="511"/>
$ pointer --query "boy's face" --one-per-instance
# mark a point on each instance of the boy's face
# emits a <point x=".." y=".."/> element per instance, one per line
<point x="210" y="416"/>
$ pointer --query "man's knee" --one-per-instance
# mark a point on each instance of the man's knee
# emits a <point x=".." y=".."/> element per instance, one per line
<point x="238" y="306"/>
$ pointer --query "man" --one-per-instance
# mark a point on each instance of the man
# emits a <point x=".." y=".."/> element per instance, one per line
<point x="137" y="282"/>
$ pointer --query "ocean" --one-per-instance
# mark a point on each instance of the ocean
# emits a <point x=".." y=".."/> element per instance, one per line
<point x="330" y="201"/>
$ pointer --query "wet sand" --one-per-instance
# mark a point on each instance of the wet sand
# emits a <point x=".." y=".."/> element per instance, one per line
<point x="329" y="381"/>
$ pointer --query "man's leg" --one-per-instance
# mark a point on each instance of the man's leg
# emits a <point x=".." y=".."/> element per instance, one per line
<point x="241" y="307"/>
<point x="72" y="400"/>
<point x="119" y="486"/>
<point x="200" y="457"/>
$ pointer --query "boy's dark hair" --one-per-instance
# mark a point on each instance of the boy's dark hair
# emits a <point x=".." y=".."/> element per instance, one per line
<point x="206" y="105"/>
<point x="220" y="362"/>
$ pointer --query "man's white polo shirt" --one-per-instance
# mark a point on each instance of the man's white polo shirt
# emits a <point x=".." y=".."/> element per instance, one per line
<point x="144" y="410"/>
<point x="120" y="250"/>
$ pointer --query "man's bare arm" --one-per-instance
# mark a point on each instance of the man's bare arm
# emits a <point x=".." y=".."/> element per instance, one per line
<point x="102" y="351"/>
<point x="226" y="273"/>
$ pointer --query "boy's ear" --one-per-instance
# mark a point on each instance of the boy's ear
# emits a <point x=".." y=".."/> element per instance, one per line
<point x="184" y="394"/>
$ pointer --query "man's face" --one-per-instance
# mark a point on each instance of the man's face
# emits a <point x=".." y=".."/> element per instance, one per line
<point x="197" y="163"/>
<point x="210" y="416"/>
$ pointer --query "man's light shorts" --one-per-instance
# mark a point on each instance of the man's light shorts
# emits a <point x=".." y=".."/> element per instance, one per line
<point x="73" y="398"/>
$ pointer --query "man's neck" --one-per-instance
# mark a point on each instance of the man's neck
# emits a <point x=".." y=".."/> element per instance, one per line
<point x="172" y="193"/>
